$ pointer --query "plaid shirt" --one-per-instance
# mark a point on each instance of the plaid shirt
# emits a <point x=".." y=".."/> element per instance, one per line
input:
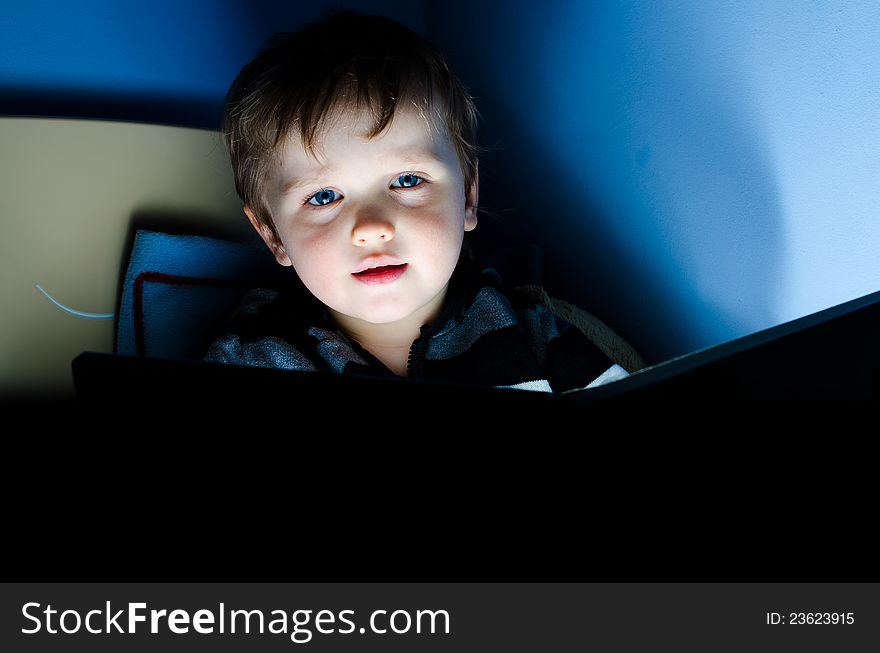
<point x="486" y="334"/>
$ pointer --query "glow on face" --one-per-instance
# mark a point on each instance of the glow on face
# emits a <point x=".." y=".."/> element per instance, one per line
<point x="373" y="228"/>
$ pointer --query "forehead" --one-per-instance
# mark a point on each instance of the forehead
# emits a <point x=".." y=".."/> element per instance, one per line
<point x="346" y="132"/>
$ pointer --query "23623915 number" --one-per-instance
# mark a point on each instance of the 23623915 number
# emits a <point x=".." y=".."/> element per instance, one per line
<point x="818" y="618"/>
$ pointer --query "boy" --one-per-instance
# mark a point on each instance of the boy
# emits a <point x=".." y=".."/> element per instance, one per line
<point x="354" y="151"/>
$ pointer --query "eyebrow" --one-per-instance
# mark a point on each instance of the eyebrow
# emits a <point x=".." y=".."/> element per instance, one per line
<point x="296" y="182"/>
<point x="405" y="155"/>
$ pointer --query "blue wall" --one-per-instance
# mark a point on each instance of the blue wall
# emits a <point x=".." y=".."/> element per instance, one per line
<point x="695" y="171"/>
<point x="168" y="61"/>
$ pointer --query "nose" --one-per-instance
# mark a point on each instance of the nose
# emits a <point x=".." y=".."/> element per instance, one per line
<point x="369" y="231"/>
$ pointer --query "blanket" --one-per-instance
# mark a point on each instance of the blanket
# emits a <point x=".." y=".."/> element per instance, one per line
<point x="179" y="289"/>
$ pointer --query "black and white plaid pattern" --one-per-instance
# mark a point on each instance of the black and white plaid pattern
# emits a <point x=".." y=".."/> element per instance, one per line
<point x="486" y="334"/>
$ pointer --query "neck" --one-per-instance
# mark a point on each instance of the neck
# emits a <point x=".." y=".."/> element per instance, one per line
<point x="390" y="342"/>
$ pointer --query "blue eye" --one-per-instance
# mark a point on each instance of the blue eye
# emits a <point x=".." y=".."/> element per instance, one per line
<point x="409" y="181"/>
<point x="324" y="197"/>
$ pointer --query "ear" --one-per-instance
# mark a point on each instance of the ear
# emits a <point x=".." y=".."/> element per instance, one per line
<point x="472" y="200"/>
<point x="269" y="237"/>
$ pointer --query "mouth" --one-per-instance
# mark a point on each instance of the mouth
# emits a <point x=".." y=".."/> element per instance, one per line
<point x="381" y="274"/>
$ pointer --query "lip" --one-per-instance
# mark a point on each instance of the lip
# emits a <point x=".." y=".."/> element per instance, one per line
<point x="381" y="274"/>
<point x="376" y="261"/>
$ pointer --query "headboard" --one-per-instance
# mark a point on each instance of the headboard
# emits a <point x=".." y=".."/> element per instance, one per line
<point x="72" y="194"/>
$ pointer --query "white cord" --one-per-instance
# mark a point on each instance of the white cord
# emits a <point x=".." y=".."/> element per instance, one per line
<point x="74" y="312"/>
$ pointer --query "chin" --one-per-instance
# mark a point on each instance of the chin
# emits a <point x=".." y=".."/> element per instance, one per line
<point x="385" y="316"/>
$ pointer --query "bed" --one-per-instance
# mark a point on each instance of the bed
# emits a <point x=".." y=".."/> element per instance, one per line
<point x="73" y="195"/>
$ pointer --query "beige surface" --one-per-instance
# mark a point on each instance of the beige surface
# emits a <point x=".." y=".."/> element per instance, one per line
<point x="70" y="191"/>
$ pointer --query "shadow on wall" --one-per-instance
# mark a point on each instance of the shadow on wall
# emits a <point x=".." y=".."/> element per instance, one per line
<point x="106" y="104"/>
<point x="630" y="155"/>
<point x="161" y="62"/>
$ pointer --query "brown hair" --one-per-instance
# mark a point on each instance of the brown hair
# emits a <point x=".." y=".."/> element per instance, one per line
<point x="346" y="60"/>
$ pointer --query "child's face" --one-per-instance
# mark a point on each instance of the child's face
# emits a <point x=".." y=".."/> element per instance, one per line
<point x="373" y="228"/>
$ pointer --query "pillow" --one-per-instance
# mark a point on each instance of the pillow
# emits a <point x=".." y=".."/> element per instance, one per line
<point x="179" y="290"/>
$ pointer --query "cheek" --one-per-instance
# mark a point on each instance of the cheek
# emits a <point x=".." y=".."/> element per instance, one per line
<point x="307" y="251"/>
<point x="442" y="204"/>
<point x="444" y="227"/>
<point x="304" y="240"/>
